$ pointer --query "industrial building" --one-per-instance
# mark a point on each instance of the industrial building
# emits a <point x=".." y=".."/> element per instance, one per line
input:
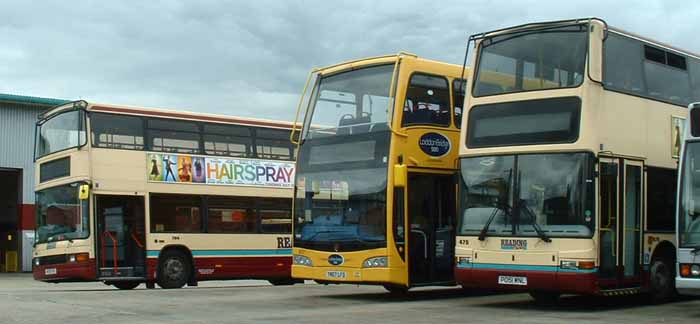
<point x="18" y="114"/>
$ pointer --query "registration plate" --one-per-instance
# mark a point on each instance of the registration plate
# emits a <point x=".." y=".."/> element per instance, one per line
<point x="510" y="280"/>
<point x="50" y="271"/>
<point x="336" y="274"/>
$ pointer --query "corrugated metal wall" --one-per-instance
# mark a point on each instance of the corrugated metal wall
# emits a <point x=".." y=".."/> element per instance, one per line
<point x="17" y="143"/>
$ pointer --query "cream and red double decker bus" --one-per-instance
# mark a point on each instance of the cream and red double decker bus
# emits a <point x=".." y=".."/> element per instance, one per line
<point x="688" y="271"/>
<point x="375" y="191"/>
<point x="129" y="195"/>
<point x="568" y="160"/>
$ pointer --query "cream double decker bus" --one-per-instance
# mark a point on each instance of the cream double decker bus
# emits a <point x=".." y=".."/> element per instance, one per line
<point x="375" y="190"/>
<point x="688" y="271"/>
<point x="129" y="195"/>
<point x="568" y="160"/>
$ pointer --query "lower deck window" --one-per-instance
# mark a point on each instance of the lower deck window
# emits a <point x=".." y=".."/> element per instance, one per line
<point x="219" y="214"/>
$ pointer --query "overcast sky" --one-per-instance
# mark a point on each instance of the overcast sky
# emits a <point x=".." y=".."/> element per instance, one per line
<point x="251" y="58"/>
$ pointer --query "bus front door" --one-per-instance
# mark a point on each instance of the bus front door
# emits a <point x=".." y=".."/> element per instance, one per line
<point x="120" y="237"/>
<point x="620" y="195"/>
<point x="431" y="218"/>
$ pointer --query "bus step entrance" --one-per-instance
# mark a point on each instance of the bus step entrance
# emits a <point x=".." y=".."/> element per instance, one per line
<point x="121" y="272"/>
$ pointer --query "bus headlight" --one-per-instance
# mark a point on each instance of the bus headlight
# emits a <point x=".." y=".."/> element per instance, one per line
<point x="37" y="262"/>
<point x="302" y="260"/>
<point x="568" y="264"/>
<point x="464" y="260"/>
<point x="376" y="262"/>
<point x="695" y="270"/>
<point x="79" y="257"/>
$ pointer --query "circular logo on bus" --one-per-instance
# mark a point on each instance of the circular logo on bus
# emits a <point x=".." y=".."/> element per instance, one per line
<point x="335" y="259"/>
<point x="434" y="144"/>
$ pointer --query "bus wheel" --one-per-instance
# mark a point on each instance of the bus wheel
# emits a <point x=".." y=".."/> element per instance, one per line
<point x="396" y="290"/>
<point x="283" y="282"/>
<point x="661" y="281"/>
<point x="173" y="270"/>
<point x="126" y="285"/>
<point x="545" y="297"/>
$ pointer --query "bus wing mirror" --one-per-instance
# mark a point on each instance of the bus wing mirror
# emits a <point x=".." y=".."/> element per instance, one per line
<point x="400" y="175"/>
<point x="83" y="192"/>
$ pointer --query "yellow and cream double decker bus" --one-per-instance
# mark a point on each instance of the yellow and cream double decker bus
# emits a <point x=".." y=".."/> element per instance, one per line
<point x="129" y="195"/>
<point x="688" y="271"/>
<point x="568" y="160"/>
<point x="375" y="192"/>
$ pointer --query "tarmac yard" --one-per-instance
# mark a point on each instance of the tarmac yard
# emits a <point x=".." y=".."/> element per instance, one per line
<point x="23" y="300"/>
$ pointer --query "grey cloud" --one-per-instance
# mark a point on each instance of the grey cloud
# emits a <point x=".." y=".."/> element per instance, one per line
<point x="251" y="58"/>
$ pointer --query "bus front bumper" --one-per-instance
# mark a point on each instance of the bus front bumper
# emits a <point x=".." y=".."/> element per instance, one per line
<point x="503" y="277"/>
<point x="688" y="286"/>
<point x="66" y="272"/>
<point x="351" y="275"/>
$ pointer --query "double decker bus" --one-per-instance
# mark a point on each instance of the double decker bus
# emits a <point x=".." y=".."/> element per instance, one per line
<point x="568" y="160"/>
<point x="376" y="175"/>
<point x="688" y="271"/>
<point x="129" y="195"/>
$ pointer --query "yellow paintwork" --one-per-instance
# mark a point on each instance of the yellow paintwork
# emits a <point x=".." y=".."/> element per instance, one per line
<point x="124" y="172"/>
<point x="404" y="142"/>
<point x="612" y="125"/>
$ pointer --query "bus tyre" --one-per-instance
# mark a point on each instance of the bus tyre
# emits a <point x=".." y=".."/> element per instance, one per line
<point x="396" y="290"/>
<point x="661" y="281"/>
<point x="545" y="297"/>
<point x="174" y="270"/>
<point x="126" y="285"/>
<point x="282" y="282"/>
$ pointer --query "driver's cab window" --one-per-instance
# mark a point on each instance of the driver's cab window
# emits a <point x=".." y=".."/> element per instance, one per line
<point x="427" y="101"/>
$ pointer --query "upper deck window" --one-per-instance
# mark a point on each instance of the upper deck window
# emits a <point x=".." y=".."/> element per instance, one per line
<point x="634" y="67"/>
<point x="427" y="101"/>
<point x="60" y="132"/>
<point x="227" y="140"/>
<point x="116" y="131"/>
<point x="273" y="144"/>
<point x="173" y="136"/>
<point x="351" y="102"/>
<point x="531" y="60"/>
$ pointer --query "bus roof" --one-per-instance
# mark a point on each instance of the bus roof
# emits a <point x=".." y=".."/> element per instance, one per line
<point x="383" y="59"/>
<point x="169" y="113"/>
<point x="568" y="22"/>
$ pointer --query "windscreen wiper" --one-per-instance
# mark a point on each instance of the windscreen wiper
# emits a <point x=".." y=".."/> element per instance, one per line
<point x="695" y="250"/>
<point x="502" y="207"/>
<point x="321" y="232"/>
<point x="533" y="221"/>
<point x="507" y="210"/>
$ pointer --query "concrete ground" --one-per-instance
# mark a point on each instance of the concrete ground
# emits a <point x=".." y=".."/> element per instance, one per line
<point x="23" y="300"/>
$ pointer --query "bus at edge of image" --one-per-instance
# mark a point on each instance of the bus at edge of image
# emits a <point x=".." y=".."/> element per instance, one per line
<point x="130" y="195"/>
<point x="688" y="265"/>
<point x="376" y="175"/>
<point x="568" y="160"/>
